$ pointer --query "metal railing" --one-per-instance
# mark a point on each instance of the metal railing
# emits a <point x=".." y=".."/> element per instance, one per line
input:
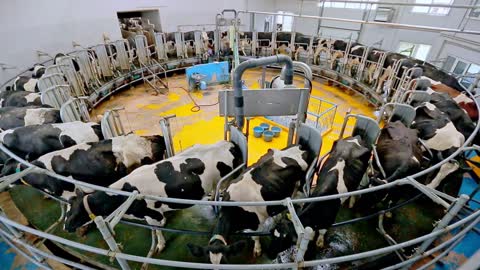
<point x="452" y="204"/>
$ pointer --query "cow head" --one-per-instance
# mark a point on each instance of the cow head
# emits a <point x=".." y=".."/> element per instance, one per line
<point x="217" y="250"/>
<point x="427" y="110"/>
<point x="9" y="167"/>
<point x="76" y="216"/>
<point x="284" y="235"/>
<point x="158" y="146"/>
<point x="37" y="71"/>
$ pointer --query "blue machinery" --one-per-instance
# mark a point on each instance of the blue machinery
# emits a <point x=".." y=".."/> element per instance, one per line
<point x="12" y="232"/>
<point x="211" y="73"/>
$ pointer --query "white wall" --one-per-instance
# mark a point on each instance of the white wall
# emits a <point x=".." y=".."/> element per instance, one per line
<point x="52" y="25"/>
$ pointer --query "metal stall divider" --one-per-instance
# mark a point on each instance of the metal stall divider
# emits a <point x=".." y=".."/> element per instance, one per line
<point x="65" y="63"/>
<point x="103" y="61"/>
<point x="87" y="69"/>
<point x="111" y="124"/>
<point x="75" y="109"/>
<point x="160" y="47"/>
<point x="180" y="45"/>
<point x="56" y="96"/>
<point x="123" y="56"/>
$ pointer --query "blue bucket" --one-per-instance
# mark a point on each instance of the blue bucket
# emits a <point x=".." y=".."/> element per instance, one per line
<point x="257" y="132"/>
<point x="276" y="131"/>
<point x="265" y="126"/>
<point x="267" y="136"/>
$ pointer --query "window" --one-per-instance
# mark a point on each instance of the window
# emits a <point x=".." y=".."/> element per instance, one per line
<point x="440" y="11"/>
<point x="462" y="68"/>
<point x="475" y="13"/>
<point x="419" y="51"/>
<point x="284" y="22"/>
<point x="328" y="4"/>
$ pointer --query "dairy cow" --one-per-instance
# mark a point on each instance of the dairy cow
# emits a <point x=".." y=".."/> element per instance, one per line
<point x="440" y="137"/>
<point x="398" y="151"/>
<point x="12" y="117"/>
<point x="31" y="142"/>
<point x="19" y="99"/>
<point x="191" y="174"/>
<point x="28" y="83"/>
<point x="341" y="172"/>
<point x="100" y="163"/>
<point x="273" y="177"/>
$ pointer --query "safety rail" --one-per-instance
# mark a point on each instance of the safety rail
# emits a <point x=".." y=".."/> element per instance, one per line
<point x="435" y="195"/>
<point x="452" y="204"/>
<point x="323" y="114"/>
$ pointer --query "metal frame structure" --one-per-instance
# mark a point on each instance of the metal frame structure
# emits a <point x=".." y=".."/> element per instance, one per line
<point x="11" y="231"/>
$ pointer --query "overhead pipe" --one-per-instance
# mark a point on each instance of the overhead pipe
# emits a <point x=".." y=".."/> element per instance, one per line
<point x="393" y="25"/>
<point x="253" y="63"/>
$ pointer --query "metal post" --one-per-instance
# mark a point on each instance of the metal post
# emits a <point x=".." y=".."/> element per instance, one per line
<point x="167" y="134"/>
<point x="112" y="244"/>
<point x="20" y="235"/>
<point x="291" y="132"/>
<point x="264" y="69"/>
<point x="308" y="235"/>
<point x="452" y="212"/>
<point x="475" y="83"/>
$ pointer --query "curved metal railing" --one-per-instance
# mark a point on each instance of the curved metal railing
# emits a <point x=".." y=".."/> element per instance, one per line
<point x="454" y="205"/>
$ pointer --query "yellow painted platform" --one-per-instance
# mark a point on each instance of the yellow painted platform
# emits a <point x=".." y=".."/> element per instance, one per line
<point x="143" y="111"/>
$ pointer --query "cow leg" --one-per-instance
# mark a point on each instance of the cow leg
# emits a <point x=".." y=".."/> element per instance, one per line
<point x="321" y="238"/>
<point x="445" y="170"/>
<point x="257" y="248"/>
<point x="160" y="238"/>
<point x="383" y="78"/>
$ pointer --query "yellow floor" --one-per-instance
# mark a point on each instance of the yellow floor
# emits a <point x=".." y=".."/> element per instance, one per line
<point x="143" y="110"/>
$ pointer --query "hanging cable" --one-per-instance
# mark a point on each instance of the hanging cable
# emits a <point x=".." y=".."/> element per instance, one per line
<point x="196" y="107"/>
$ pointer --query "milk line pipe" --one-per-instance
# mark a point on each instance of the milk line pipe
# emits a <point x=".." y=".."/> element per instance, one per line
<point x="394" y="25"/>
<point x="42" y="253"/>
<point x="239" y="266"/>
<point x="396" y="3"/>
<point x="432" y="251"/>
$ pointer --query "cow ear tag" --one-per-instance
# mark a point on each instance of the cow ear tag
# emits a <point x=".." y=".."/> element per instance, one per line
<point x="289" y="216"/>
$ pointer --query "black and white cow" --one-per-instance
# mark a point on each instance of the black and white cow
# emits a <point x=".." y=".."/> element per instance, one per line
<point x="460" y="119"/>
<point x="31" y="142"/>
<point x="302" y="43"/>
<point x="274" y="177"/>
<point x="19" y="99"/>
<point x="398" y="151"/>
<point x="100" y="163"/>
<point x="25" y="83"/>
<point x="440" y="136"/>
<point x="323" y="46"/>
<point x="12" y="117"/>
<point x="191" y="174"/>
<point x="341" y="172"/>
<point x="28" y="83"/>
<point x="58" y="56"/>
<point x="388" y="65"/>
<point x="373" y="58"/>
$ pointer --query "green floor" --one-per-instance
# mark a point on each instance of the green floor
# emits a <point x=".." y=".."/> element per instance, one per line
<point x="407" y="223"/>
